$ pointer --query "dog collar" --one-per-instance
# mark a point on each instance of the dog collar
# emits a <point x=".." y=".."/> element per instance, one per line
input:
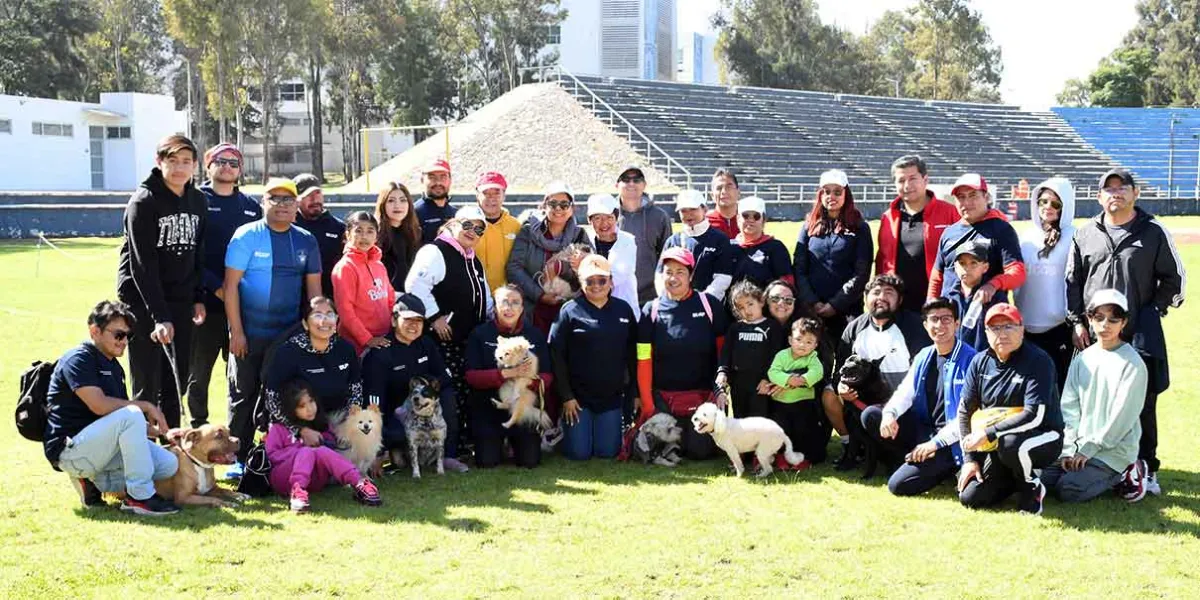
<point x="198" y="462"/>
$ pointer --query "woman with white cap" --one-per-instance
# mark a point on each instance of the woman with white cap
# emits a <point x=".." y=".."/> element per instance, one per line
<point x="619" y="247"/>
<point x="449" y="280"/>
<point x="548" y="232"/>
<point x="713" y="271"/>
<point x="758" y="257"/>
<point x="593" y="345"/>
<point x="832" y="261"/>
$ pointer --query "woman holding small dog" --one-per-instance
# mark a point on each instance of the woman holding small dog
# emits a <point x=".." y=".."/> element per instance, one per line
<point x="541" y="237"/>
<point x="486" y="378"/>
<point x="593" y="346"/>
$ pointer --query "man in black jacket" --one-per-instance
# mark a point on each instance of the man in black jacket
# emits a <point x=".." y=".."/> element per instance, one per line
<point x="160" y="274"/>
<point x="328" y="229"/>
<point x="1125" y="248"/>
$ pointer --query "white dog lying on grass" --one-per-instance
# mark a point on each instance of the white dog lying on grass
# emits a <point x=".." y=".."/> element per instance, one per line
<point x="759" y="435"/>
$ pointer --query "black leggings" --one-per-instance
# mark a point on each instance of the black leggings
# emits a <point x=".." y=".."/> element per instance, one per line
<point x="1058" y="344"/>
<point x="1010" y="468"/>
<point x="803" y="423"/>
<point x="489" y="436"/>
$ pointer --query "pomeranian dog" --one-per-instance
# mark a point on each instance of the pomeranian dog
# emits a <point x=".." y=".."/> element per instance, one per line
<point x="557" y="278"/>
<point x="424" y="425"/>
<point x="515" y="395"/>
<point x="360" y="436"/>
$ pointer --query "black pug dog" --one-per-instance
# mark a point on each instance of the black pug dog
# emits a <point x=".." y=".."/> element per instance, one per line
<point x="862" y="376"/>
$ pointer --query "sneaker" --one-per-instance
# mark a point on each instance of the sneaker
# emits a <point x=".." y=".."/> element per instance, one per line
<point x="800" y="466"/>
<point x="847" y="461"/>
<point x="781" y="463"/>
<point x="235" y="471"/>
<point x="89" y="494"/>
<point x="455" y="465"/>
<point x="154" y="506"/>
<point x="1032" y="504"/>
<point x="366" y="493"/>
<point x="1132" y="486"/>
<point x="299" y="499"/>
<point x="1152" y="486"/>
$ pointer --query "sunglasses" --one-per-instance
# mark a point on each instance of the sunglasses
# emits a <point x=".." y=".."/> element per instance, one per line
<point x="632" y="179"/>
<point x="597" y="281"/>
<point x="232" y="163"/>
<point x="281" y="200"/>
<point x="559" y="204"/>
<point x="752" y="216"/>
<point x="119" y="334"/>
<point x="784" y="300"/>
<point x="1097" y="319"/>
<point x="1055" y="204"/>
<point x="478" y="227"/>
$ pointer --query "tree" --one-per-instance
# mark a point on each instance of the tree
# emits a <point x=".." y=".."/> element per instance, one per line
<point x="211" y="37"/>
<point x="266" y="29"/>
<point x="1076" y="92"/>
<point x="953" y="53"/>
<point x="1120" y="80"/>
<point x="39" y="47"/>
<point x="130" y="50"/>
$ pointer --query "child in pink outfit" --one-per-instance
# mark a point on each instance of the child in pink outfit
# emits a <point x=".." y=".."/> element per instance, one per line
<point x="298" y="469"/>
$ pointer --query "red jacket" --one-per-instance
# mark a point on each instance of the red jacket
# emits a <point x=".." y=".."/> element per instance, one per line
<point x="729" y="227"/>
<point x="364" y="296"/>
<point x="937" y="216"/>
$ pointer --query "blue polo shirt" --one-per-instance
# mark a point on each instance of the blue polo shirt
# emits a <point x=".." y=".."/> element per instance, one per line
<point x="67" y="415"/>
<point x="272" y="286"/>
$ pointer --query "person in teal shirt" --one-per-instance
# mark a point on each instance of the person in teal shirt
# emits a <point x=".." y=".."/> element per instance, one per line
<point x="795" y="372"/>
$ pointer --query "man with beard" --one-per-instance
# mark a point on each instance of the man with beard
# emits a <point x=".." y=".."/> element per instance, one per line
<point x="228" y="209"/>
<point x="725" y="194"/>
<point x="328" y="229"/>
<point x="433" y="208"/>
<point x="884" y="331"/>
<point x="650" y="226"/>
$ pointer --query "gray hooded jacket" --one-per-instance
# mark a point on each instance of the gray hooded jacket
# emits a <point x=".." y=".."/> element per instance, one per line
<point x="650" y="226"/>
<point x="1043" y="297"/>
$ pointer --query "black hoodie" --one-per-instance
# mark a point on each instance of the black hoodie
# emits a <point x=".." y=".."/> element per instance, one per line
<point x="162" y="257"/>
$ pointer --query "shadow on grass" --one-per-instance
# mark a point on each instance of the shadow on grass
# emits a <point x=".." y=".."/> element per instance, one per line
<point x="194" y="518"/>
<point x="1176" y="511"/>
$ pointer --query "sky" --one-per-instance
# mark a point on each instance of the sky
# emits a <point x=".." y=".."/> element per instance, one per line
<point x="1043" y="43"/>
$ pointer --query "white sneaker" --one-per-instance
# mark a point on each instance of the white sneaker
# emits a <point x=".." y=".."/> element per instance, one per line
<point x="1152" y="486"/>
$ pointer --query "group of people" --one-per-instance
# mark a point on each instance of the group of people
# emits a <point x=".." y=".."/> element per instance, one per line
<point x="628" y="318"/>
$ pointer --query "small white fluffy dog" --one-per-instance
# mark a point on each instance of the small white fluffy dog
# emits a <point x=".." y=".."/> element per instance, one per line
<point x="759" y="435"/>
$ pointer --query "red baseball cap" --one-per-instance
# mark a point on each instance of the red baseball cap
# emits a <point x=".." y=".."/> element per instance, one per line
<point x="1003" y="309"/>
<point x="212" y="153"/>
<point x="491" y="180"/>
<point x="680" y="255"/>
<point x="973" y="181"/>
<point x="438" y="166"/>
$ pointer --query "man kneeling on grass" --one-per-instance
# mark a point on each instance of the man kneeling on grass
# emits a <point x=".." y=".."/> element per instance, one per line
<point x="94" y="433"/>
<point x="1101" y="401"/>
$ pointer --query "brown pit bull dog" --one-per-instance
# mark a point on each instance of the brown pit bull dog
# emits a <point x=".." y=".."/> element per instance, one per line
<point x="198" y="451"/>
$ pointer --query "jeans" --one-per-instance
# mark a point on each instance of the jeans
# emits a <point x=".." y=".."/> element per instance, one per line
<point x="115" y="454"/>
<point x="1093" y="480"/>
<point x="208" y="341"/>
<point x="596" y="434"/>
<point x="245" y="388"/>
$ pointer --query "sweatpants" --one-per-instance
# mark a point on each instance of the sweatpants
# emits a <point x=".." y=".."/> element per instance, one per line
<point x="489" y="436"/>
<point x="1094" y="479"/>
<point x="1009" y="469"/>
<point x="801" y="421"/>
<point x="150" y="373"/>
<point x="245" y="388"/>
<point x="209" y="340"/>
<point x="597" y="434"/>
<point x="1059" y="344"/>
<point x="312" y="469"/>
<point x="909" y="479"/>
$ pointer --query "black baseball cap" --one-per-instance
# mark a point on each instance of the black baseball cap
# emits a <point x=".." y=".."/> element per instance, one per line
<point x="629" y="168"/>
<point x="976" y="248"/>
<point x="306" y="183"/>
<point x="408" y="306"/>
<point x="1126" y="177"/>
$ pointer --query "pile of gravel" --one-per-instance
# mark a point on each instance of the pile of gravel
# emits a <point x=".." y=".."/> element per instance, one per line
<point x="535" y="134"/>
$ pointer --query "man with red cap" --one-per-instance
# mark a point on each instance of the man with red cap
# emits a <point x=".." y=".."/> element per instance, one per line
<point x="502" y="228"/>
<point x="433" y="208"/>
<point x="985" y="226"/>
<point x="1009" y="374"/>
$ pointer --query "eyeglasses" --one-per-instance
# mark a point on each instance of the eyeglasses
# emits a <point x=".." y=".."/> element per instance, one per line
<point x="752" y="216"/>
<point x="632" y="179"/>
<point x="119" y="334"/>
<point x="478" y="227"/>
<point x="1003" y="329"/>
<point x="232" y="163"/>
<point x="512" y="303"/>
<point x="1098" y="319"/>
<point x="944" y="320"/>
<point x="281" y="200"/>
<point x="596" y="281"/>
<point x="320" y="316"/>
<point x="1116" y="189"/>
<point x="1055" y="204"/>
<point x="784" y="300"/>
<point x="559" y="204"/>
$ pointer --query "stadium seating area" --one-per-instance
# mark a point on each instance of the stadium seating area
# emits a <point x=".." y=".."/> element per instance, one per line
<point x="1143" y="140"/>
<point x="787" y="137"/>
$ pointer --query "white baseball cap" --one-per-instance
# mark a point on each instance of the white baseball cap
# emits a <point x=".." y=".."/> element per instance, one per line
<point x="752" y="204"/>
<point x="835" y="176"/>
<point x="558" y="187"/>
<point x="1108" y="296"/>
<point x="689" y="199"/>
<point x="470" y="212"/>
<point x="601" y="204"/>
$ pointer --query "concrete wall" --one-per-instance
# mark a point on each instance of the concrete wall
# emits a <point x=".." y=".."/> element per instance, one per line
<point x="579" y="50"/>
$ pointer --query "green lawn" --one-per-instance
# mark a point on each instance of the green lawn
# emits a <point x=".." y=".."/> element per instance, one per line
<point x="569" y="530"/>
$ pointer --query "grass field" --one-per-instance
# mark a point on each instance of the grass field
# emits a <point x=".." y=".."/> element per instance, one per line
<point x="569" y="530"/>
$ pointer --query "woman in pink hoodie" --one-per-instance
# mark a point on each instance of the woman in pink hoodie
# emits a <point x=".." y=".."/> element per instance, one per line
<point x="361" y="286"/>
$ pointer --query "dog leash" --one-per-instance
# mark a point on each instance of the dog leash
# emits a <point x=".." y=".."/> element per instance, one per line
<point x="169" y="350"/>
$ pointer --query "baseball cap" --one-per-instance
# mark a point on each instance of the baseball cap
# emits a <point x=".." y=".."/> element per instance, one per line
<point x="281" y="183"/>
<point x="973" y="181"/>
<point x="408" y="306"/>
<point x="436" y="166"/>
<point x="1003" y="309"/>
<point x="470" y="212"/>
<point x="594" y="264"/>
<point x="218" y="149"/>
<point x="1108" y="296"/>
<point x="836" y="176"/>
<point x="752" y="204"/>
<point x="689" y="199"/>
<point x="1126" y="177"/>
<point x="491" y="180"/>
<point x="558" y="187"/>
<point x="629" y="168"/>
<point x="978" y="249"/>
<point x="679" y="255"/>
<point x="306" y="183"/>
<point x="601" y="204"/>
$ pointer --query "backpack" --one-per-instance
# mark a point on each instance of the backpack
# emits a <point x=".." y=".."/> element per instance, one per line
<point x="33" y="403"/>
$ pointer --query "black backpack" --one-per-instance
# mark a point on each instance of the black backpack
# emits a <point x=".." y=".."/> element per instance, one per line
<point x="32" y="405"/>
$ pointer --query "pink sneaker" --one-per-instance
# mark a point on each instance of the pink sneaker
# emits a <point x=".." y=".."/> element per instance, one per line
<point x="299" y="499"/>
<point x="366" y="493"/>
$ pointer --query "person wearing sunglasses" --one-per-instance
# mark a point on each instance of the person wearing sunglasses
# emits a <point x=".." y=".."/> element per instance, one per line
<point x="271" y="267"/>
<point x="160" y="274"/>
<point x="1009" y="374"/>
<point x="1044" y="248"/>
<point x="593" y="346"/>
<point x="649" y="224"/>
<point x="94" y="433"/>
<point x="1126" y="248"/>
<point x="228" y="209"/>
<point x="1101" y="402"/>
<point x="757" y="257"/>
<point x="544" y="234"/>
<point x="713" y="272"/>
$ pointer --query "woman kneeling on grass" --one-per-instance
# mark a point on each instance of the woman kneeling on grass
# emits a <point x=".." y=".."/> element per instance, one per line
<point x="297" y="467"/>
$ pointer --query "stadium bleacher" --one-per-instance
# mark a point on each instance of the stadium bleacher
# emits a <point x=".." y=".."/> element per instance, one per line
<point x="786" y="138"/>
<point x="1144" y="140"/>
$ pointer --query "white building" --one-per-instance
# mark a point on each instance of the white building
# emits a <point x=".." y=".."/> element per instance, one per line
<point x="698" y="60"/>
<point x="618" y="38"/>
<point x="59" y="145"/>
